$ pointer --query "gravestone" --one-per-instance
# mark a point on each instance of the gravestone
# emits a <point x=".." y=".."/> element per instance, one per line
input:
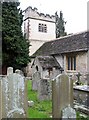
<point x="35" y="78"/>
<point x="19" y="72"/>
<point x="14" y="96"/>
<point x="68" y="113"/>
<point x="62" y="94"/>
<point x="9" y="70"/>
<point x="44" y="89"/>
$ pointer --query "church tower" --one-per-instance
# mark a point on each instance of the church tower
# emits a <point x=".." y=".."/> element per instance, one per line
<point x="38" y="28"/>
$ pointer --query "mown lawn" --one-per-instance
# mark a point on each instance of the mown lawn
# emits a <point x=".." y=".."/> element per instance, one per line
<point x="41" y="109"/>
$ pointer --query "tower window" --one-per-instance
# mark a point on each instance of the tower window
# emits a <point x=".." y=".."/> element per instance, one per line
<point x="42" y="28"/>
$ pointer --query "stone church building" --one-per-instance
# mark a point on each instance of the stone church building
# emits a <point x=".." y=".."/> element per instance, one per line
<point x="71" y="52"/>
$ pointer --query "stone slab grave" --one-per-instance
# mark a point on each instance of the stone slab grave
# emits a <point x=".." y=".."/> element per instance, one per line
<point x="44" y="89"/>
<point x="14" y="95"/>
<point x="81" y="95"/>
<point x="62" y="97"/>
<point x="35" y="78"/>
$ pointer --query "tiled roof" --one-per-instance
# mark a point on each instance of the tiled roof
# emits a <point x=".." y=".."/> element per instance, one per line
<point x="48" y="62"/>
<point x="71" y="43"/>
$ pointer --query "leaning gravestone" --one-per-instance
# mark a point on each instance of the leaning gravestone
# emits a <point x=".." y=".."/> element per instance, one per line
<point x="62" y="95"/>
<point x="14" y="96"/>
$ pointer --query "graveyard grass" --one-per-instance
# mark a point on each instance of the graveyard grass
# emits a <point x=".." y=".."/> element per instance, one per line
<point x="41" y="109"/>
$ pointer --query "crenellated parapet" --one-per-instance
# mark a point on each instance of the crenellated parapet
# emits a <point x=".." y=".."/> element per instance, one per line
<point x="33" y="13"/>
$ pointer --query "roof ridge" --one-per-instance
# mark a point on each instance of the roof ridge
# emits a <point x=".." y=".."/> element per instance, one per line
<point x="72" y="43"/>
<point x="70" y="35"/>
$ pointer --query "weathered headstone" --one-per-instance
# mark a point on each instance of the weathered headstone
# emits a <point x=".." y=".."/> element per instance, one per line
<point x="62" y="94"/>
<point x="35" y="78"/>
<point x="9" y="70"/>
<point x="68" y="113"/>
<point x="44" y="89"/>
<point x="19" y="72"/>
<point x="14" y="97"/>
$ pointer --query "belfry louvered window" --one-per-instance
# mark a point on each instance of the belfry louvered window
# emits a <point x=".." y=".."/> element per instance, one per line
<point x="42" y="28"/>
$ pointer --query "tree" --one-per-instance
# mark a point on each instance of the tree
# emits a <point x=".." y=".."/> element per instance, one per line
<point x="60" y="25"/>
<point x="15" y="48"/>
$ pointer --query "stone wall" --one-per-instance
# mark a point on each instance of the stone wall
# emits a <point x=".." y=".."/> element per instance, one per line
<point x="81" y="67"/>
<point x="81" y="62"/>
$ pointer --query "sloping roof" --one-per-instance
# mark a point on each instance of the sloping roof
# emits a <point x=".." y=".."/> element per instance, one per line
<point x="48" y="62"/>
<point x="71" y="43"/>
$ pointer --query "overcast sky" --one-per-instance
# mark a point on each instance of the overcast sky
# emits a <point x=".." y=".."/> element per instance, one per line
<point x="74" y="11"/>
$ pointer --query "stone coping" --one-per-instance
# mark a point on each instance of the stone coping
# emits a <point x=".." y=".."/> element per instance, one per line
<point x="84" y="88"/>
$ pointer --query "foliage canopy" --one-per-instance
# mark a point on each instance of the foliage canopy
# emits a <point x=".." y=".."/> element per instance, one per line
<point x="60" y="25"/>
<point x="15" y="48"/>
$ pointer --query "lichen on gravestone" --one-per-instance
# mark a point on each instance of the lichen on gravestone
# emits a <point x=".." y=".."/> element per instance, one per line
<point x="14" y="96"/>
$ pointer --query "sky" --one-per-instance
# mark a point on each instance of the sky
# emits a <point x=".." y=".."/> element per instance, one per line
<point x="74" y="11"/>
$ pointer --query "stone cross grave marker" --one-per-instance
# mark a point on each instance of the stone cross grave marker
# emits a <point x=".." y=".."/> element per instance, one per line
<point x="62" y="94"/>
<point x="14" y="96"/>
<point x="44" y="89"/>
